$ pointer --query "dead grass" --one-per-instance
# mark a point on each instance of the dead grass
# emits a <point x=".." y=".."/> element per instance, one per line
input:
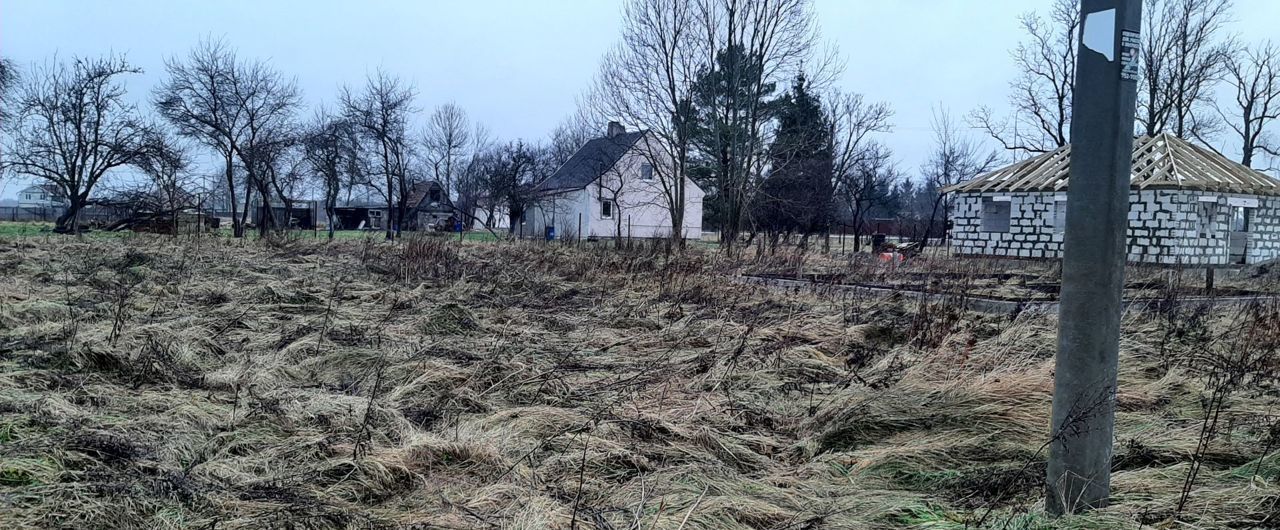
<point x="153" y="382"/>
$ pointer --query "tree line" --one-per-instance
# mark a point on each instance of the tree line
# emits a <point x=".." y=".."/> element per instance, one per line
<point x="739" y="97"/>
<point x="69" y="124"/>
<point x="702" y="77"/>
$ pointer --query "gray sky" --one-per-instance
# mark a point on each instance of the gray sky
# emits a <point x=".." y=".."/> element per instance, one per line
<point x="517" y="65"/>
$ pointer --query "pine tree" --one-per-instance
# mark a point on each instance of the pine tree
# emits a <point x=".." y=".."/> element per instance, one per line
<point x="796" y="196"/>
<point x="731" y="102"/>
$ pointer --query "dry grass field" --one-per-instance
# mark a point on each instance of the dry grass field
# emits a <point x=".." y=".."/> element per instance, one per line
<point x="154" y="382"/>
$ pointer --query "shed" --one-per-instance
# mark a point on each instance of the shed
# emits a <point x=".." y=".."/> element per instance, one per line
<point x="1189" y="206"/>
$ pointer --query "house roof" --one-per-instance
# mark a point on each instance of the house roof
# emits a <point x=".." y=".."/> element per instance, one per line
<point x="589" y="162"/>
<point x="418" y="193"/>
<point x="1161" y="161"/>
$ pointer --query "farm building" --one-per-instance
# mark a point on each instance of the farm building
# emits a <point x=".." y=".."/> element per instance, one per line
<point x="299" y="213"/>
<point x="428" y="208"/>
<point x="609" y="188"/>
<point x="1189" y="206"/>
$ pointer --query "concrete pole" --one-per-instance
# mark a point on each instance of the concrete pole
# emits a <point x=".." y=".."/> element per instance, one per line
<point x="1079" y="470"/>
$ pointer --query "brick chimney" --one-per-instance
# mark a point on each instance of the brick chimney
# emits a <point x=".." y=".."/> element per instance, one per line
<point x="615" y="129"/>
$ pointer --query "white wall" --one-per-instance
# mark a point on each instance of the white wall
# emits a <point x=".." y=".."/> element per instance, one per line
<point x="642" y="205"/>
<point x="500" y="220"/>
<point x="1165" y="227"/>
<point x="562" y="211"/>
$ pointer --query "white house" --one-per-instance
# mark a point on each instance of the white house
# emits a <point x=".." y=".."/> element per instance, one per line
<point x="610" y="187"/>
<point x="43" y="195"/>
<point x="1188" y="206"/>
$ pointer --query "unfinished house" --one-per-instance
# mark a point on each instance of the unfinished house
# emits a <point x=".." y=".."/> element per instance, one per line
<point x="1189" y="206"/>
<point x="611" y="188"/>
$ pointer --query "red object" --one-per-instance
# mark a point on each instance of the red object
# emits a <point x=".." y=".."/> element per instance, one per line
<point x="891" y="257"/>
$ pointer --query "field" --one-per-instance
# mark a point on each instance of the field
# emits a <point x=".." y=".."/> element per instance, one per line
<point x="1014" y="280"/>
<point x="159" y="382"/>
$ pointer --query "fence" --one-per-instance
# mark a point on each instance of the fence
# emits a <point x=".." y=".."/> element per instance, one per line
<point x="23" y="213"/>
<point x="88" y="215"/>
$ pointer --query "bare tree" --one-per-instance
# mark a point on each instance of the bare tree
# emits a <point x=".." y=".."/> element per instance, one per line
<point x="167" y="163"/>
<point x="326" y="149"/>
<point x="8" y="78"/>
<point x="569" y="135"/>
<point x="1183" y="55"/>
<point x="865" y="185"/>
<point x="1254" y="73"/>
<point x="1040" y="97"/>
<point x="647" y="82"/>
<point x="198" y="100"/>
<point x="446" y="140"/>
<point x="381" y="113"/>
<point x="861" y="169"/>
<point x="266" y="103"/>
<point x="274" y="164"/>
<point x="72" y="127"/>
<point x="473" y="192"/>
<point x="470" y="189"/>
<point x="507" y="178"/>
<point x="699" y="76"/>
<point x="955" y="158"/>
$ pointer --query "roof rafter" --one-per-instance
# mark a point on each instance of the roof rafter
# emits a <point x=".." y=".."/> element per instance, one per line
<point x="1161" y="161"/>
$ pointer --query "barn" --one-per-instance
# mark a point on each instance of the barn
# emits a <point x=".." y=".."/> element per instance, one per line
<point x="1189" y="206"/>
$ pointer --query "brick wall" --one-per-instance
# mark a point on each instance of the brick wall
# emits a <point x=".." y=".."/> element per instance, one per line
<point x="1165" y="226"/>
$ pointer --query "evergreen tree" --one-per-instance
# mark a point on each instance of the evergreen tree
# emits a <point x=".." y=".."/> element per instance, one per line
<point x="796" y="196"/>
<point x="731" y="104"/>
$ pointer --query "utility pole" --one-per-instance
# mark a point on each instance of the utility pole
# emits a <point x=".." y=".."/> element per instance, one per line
<point x="1079" y="470"/>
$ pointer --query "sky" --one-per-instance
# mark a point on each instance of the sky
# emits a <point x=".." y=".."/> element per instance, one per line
<point x="518" y="65"/>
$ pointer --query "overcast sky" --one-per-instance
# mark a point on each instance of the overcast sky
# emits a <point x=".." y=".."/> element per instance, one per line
<point x="517" y="65"/>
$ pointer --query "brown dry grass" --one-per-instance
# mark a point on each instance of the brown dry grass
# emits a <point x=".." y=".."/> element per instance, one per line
<point x="426" y="385"/>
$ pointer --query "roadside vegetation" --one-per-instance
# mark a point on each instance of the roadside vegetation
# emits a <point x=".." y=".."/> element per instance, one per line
<point x="160" y="382"/>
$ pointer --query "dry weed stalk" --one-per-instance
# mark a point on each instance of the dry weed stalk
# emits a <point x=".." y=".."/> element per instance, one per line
<point x="522" y="385"/>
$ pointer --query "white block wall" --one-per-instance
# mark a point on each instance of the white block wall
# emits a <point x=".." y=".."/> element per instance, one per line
<point x="1164" y="228"/>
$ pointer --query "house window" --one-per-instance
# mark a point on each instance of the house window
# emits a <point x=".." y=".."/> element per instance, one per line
<point x="995" y="214"/>
<point x="646" y="172"/>
<point x="1240" y="218"/>
<point x="606" y="209"/>
<point x="1059" y="216"/>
